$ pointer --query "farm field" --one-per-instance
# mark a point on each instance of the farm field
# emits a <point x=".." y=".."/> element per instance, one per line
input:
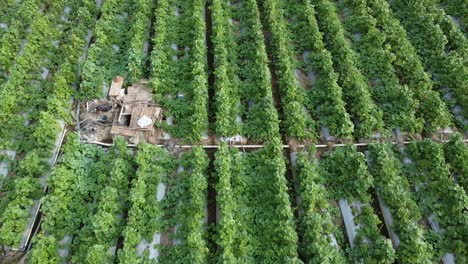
<point x="233" y="131"/>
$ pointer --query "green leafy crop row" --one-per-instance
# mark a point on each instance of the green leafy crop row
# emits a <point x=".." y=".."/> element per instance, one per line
<point x="104" y="221"/>
<point x="409" y="68"/>
<point x="226" y="84"/>
<point x="347" y="175"/>
<point x="368" y="118"/>
<point x="10" y="41"/>
<point x="297" y="123"/>
<point x="185" y="210"/>
<point x="255" y="217"/>
<point x="325" y="96"/>
<point x="457" y="9"/>
<point x="394" y="189"/>
<point x="39" y="137"/>
<point x="178" y="67"/>
<point x="456" y="155"/>
<point x="375" y="60"/>
<point x="71" y="188"/>
<point x="136" y="60"/>
<point x="107" y="55"/>
<point x="316" y="222"/>
<point x="145" y="214"/>
<point x="444" y="57"/>
<point x="438" y="195"/>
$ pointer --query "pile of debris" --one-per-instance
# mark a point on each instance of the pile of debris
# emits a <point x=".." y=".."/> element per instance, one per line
<point x="129" y="112"/>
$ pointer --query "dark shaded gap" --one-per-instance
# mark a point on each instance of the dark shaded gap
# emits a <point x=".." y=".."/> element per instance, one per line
<point x="84" y="56"/>
<point x="151" y="35"/>
<point x="294" y="194"/>
<point x="120" y="239"/>
<point x="293" y="184"/>
<point x="211" y="207"/>
<point x="382" y="227"/>
<point x="375" y="204"/>
<point x="35" y="228"/>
